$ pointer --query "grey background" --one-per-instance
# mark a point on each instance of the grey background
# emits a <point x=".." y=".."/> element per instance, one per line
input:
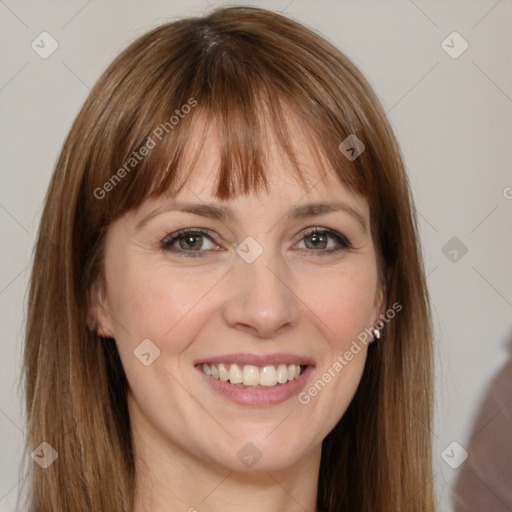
<point x="453" y="120"/>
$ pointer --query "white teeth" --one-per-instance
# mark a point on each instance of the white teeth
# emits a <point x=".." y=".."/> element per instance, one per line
<point x="223" y="373"/>
<point x="282" y="373"/>
<point x="235" y="375"/>
<point x="268" y="376"/>
<point x="250" y="375"/>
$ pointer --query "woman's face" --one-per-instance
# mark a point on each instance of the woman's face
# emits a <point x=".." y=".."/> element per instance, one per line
<point x="250" y="296"/>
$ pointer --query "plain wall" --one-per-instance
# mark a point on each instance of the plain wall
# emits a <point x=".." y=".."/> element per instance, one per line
<point x="453" y="120"/>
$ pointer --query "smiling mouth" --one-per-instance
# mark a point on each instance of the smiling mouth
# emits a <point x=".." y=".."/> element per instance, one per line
<point x="251" y="376"/>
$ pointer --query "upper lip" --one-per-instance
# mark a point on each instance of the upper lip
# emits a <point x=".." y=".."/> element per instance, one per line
<point x="258" y="360"/>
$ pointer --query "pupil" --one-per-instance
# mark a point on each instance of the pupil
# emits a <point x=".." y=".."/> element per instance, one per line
<point x="317" y="239"/>
<point x="189" y="241"/>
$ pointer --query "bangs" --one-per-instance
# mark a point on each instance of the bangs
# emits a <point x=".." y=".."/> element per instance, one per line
<point x="243" y="134"/>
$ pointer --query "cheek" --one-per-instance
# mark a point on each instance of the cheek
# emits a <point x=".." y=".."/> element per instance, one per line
<point x="346" y="304"/>
<point x="156" y="302"/>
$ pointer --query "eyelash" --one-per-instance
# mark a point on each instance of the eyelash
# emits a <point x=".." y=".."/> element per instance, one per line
<point x="170" y="240"/>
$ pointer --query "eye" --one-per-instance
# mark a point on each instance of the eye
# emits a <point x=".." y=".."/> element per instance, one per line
<point x="195" y="242"/>
<point x="324" y="241"/>
<point x="192" y="241"/>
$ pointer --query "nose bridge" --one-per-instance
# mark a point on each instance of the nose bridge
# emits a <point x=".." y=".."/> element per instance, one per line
<point x="261" y="300"/>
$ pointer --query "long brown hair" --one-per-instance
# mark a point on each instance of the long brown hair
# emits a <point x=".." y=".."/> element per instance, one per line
<point x="241" y="68"/>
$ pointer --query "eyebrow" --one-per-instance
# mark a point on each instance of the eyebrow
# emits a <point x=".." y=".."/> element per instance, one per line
<point x="223" y="213"/>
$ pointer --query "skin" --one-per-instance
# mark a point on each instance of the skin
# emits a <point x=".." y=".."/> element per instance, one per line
<point x="290" y="299"/>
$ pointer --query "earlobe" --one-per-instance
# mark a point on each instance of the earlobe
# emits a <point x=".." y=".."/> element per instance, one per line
<point x="99" y="323"/>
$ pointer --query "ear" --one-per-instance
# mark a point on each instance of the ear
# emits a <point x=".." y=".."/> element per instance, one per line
<point x="98" y="316"/>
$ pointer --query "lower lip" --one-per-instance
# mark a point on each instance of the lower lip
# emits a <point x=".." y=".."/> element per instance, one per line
<point x="258" y="397"/>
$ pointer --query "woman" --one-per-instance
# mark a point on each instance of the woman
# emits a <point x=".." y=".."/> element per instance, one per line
<point x="231" y="310"/>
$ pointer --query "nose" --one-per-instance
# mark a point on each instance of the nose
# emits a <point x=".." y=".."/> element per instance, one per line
<point x="260" y="299"/>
